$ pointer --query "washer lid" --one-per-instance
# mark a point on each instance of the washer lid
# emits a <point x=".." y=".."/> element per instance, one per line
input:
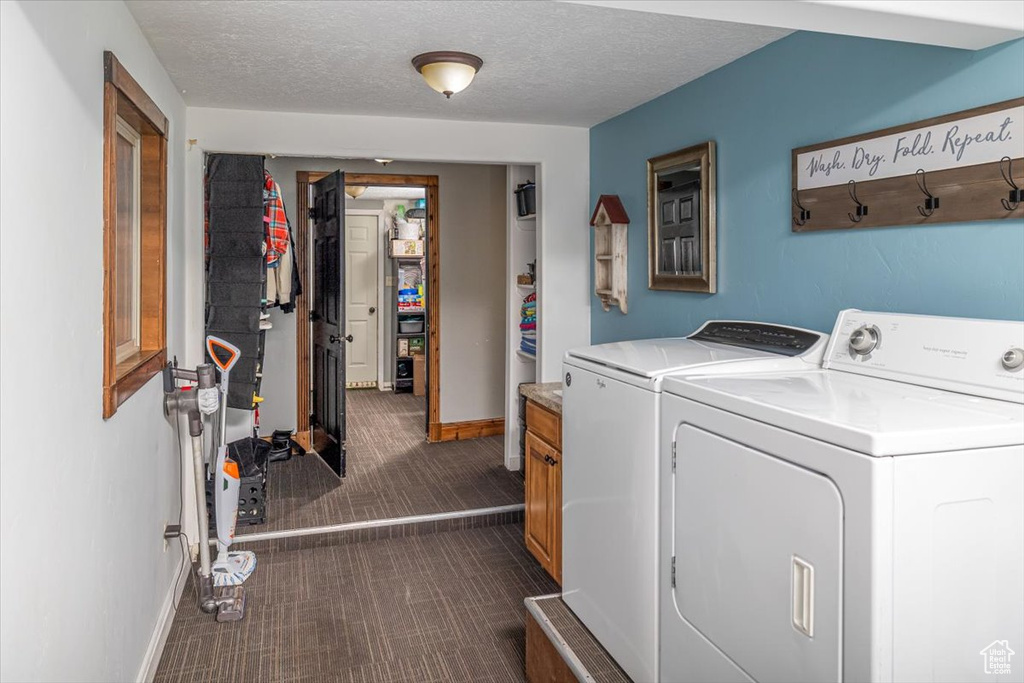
<point x="654" y="357"/>
<point x="873" y="416"/>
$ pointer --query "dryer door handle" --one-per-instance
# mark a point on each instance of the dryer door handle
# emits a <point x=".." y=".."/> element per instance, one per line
<point x="803" y="596"/>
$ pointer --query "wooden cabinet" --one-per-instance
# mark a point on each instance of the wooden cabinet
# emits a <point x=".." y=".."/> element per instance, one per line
<point x="543" y="526"/>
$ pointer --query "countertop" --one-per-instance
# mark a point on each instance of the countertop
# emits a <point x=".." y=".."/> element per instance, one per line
<point x="544" y="395"/>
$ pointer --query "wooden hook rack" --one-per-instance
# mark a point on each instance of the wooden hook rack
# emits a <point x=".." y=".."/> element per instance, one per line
<point x="960" y="167"/>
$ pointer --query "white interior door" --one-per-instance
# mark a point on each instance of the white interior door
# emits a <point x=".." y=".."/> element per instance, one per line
<point x="361" y="246"/>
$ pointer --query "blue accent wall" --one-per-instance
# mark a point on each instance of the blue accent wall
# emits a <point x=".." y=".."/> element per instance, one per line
<point x="804" y="89"/>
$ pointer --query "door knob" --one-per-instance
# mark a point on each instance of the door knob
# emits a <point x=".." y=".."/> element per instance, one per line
<point x="373" y="310"/>
<point x="334" y="339"/>
<point x="348" y="338"/>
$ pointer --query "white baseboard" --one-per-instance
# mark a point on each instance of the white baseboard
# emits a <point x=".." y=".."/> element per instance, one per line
<point x="147" y="672"/>
<point x="385" y="386"/>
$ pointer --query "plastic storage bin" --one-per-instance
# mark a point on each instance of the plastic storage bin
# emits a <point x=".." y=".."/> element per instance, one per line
<point x="411" y="326"/>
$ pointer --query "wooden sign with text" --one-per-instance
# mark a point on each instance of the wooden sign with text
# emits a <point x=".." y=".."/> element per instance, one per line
<point x="959" y="167"/>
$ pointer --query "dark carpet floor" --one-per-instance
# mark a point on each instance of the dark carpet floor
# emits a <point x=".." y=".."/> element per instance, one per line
<point x="392" y="471"/>
<point x="438" y="607"/>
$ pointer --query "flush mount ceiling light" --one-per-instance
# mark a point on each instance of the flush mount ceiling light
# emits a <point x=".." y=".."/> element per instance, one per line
<point x="354" y="191"/>
<point x="447" y="72"/>
<point x="383" y="162"/>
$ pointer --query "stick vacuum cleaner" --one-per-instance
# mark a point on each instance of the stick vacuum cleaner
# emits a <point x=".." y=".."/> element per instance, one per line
<point x="230" y="569"/>
<point x="223" y="595"/>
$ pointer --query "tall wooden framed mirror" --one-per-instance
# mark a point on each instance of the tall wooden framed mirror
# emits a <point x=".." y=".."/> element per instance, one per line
<point x="681" y="220"/>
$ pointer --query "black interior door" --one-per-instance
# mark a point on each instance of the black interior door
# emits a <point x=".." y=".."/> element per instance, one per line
<point x="327" y="315"/>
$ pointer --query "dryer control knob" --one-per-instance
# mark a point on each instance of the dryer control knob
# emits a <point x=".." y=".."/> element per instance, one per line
<point x="1013" y="359"/>
<point x="864" y="340"/>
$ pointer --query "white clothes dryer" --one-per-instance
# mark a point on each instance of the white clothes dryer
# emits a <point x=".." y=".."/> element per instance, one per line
<point x="862" y="522"/>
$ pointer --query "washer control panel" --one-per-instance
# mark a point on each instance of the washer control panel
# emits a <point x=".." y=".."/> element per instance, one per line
<point x="786" y="341"/>
<point x="977" y="357"/>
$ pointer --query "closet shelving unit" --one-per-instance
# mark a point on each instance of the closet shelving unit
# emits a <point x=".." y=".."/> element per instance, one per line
<point x="402" y="371"/>
<point x="521" y="249"/>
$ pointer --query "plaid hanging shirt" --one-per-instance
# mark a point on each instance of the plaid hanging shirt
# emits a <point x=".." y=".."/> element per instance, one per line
<point x="274" y="219"/>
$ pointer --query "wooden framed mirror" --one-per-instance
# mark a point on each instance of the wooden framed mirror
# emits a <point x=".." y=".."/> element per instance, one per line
<point x="681" y="220"/>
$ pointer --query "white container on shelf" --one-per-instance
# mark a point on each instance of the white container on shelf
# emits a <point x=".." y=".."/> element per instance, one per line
<point x="407" y="231"/>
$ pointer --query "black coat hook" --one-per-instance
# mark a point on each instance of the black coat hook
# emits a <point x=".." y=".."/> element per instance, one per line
<point x="1016" y="194"/>
<point x="931" y="202"/>
<point x="862" y="209"/>
<point x="805" y="215"/>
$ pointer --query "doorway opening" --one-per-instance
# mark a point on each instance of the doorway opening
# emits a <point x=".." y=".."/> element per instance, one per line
<point x="390" y="456"/>
<point x="368" y="263"/>
<point x="387" y="306"/>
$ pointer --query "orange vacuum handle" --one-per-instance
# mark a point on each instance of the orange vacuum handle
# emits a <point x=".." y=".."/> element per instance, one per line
<point x="215" y="344"/>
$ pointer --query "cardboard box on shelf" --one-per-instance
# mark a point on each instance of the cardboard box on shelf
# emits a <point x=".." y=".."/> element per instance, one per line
<point x="406" y="248"/>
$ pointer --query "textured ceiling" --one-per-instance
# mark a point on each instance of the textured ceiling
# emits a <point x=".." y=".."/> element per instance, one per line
<point x="544" y="62"/>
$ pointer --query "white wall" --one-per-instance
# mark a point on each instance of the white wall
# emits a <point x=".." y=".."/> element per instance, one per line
<point x="473" y="223"/>
<point x="562" y="152"/>
<point x="84" y="576"/>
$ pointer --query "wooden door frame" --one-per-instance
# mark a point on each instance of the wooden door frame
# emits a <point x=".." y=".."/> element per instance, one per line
<point x="430" y="184"/>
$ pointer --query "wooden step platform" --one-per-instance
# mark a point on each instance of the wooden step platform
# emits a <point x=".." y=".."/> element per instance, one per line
<point x="560" y="649"/>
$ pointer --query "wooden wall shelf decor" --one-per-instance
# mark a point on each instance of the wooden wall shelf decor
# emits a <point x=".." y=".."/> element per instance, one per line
<point x="966" y="166"/>
<point x="610" y="223"/>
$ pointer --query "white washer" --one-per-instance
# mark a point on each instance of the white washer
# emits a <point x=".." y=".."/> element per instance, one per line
<point x="862" y="522"/>
<point x="610" y="406"/>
